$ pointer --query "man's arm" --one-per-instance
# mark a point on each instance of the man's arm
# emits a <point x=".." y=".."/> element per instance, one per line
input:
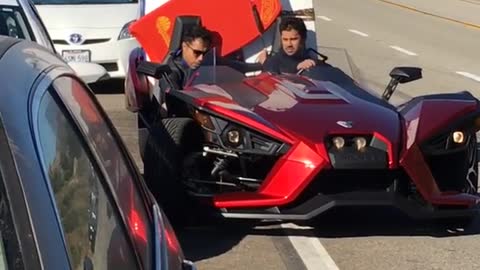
<point x="306" y="64"/>
<point x="311" y="60"/>
<point x="272" y="64"/>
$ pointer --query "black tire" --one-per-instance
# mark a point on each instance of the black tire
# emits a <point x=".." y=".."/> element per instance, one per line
<point x="168" y="142"/>
<point x="185" y="133"/>
<point x="471" y="185"/>
<point x="457" y="222"/>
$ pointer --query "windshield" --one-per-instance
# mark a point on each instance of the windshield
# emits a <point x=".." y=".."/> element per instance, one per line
<point x="339" y="68"/>
<point x="337" y="71"/>
<point x="13" y="23"/>
<point x="82" y="2"/>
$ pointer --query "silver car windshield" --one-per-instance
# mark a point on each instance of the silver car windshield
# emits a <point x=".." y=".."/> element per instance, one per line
<point x="13" y="23"/>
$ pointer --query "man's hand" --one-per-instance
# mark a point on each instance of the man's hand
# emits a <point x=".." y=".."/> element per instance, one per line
<point x="306" y="64"/>
<point x="262" y="56"/>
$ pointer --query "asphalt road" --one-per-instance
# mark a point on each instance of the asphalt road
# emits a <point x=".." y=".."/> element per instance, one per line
<point x="222" y="246"/>
<point x="378" y="36"/>
<point x="368" y="29"/>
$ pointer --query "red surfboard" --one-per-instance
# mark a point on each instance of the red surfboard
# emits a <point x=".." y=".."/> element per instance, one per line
<point x="233" y="20"/>
<point x="268" y="10"/>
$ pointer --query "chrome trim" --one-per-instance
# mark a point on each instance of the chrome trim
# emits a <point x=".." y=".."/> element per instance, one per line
<point x="157" y="236"/>
<point x="212" y="182"/>
<point x="246" y="179"/>
<point x="218" y="152"/>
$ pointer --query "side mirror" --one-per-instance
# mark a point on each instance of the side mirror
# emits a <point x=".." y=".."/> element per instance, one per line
<point x="154" y="70"/>
<point x="401" y="75"/>
<point x="89" y="72"/>
<point x="406" y="74"/>
<point x="137" y="87"/>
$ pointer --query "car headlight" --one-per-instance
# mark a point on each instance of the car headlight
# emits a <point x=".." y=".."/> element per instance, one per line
<point x="125" y="32"/>
<point x="359" y="143"/>
<point x="236" y="137"/>
<point x="458" y="137"/>
<point x="448" y="142"/>
<point x="339" y="142"/>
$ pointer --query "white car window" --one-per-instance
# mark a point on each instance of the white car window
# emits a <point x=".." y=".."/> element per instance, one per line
<point x="12" y="23"/>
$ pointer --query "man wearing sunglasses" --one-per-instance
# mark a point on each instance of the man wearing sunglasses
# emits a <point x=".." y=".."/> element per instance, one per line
<point x="196" y="42"/>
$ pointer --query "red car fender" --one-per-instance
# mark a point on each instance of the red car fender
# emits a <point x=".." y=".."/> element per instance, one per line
<point x="423" y="120"/>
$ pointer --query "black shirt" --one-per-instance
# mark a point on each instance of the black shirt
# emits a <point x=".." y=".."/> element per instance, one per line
<point x="284" y="63"/>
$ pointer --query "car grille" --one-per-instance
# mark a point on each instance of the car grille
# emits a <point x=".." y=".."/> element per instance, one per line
<point x="86" y="42"/>
<point x="450" y="170"/>
<point x="335" y="181"/>
<point x="338" y="181"/>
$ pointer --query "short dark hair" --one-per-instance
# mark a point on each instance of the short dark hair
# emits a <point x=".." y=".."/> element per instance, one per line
<point x="197" y="31"/>
<point x="294" y="23"/>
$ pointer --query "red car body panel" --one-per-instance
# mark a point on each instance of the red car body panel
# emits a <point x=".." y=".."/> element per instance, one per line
<point x="422" y="121"/>
<point x="416" y="167"/>
<point x="293" y="112"/>
<point x="303" y="112"/>
<point x="430" y="116"/>
<point x="296" y="111"/>
<point x="250" y="119"/>
<point x="283" y="184"/>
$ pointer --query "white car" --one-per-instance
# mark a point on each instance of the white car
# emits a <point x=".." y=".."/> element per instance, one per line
<point x="20" y="19"/>
<point x="92" y="30"/>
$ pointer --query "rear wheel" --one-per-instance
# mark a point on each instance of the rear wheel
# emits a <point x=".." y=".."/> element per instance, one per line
<point x="170" y="140"/>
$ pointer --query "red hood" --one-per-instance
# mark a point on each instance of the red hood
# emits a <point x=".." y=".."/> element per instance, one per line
<point x="300" y="108"/>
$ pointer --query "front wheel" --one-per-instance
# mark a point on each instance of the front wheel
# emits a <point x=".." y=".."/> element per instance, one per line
<point x="168" y="142"/>
<point x="470" y="183"/>
<point x="471" y="177"/>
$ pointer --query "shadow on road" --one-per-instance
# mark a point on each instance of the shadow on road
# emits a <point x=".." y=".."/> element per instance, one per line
<point x="377" y="221"/>
<point x="205" y="242"/>
<point x="362" y="222"/>
<point x="202" y="243"/>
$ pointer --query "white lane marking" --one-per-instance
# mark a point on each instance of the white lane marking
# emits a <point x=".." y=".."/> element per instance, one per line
<point x="400" y="49"/>
<point x="358" y="32"/>
<point x="469" y="75"/>
<point x="310" y="250"/>
<point x="325" y="18"/>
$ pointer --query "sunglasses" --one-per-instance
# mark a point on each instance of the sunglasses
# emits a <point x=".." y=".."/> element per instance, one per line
<point x="197" y="52"/>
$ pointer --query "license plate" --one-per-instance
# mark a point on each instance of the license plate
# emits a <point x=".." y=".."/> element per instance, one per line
<point x="76" y="55"/>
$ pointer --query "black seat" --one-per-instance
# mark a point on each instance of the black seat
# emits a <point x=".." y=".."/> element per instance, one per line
<point x="181" y="24"/>
<point x="277" y="39"/>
